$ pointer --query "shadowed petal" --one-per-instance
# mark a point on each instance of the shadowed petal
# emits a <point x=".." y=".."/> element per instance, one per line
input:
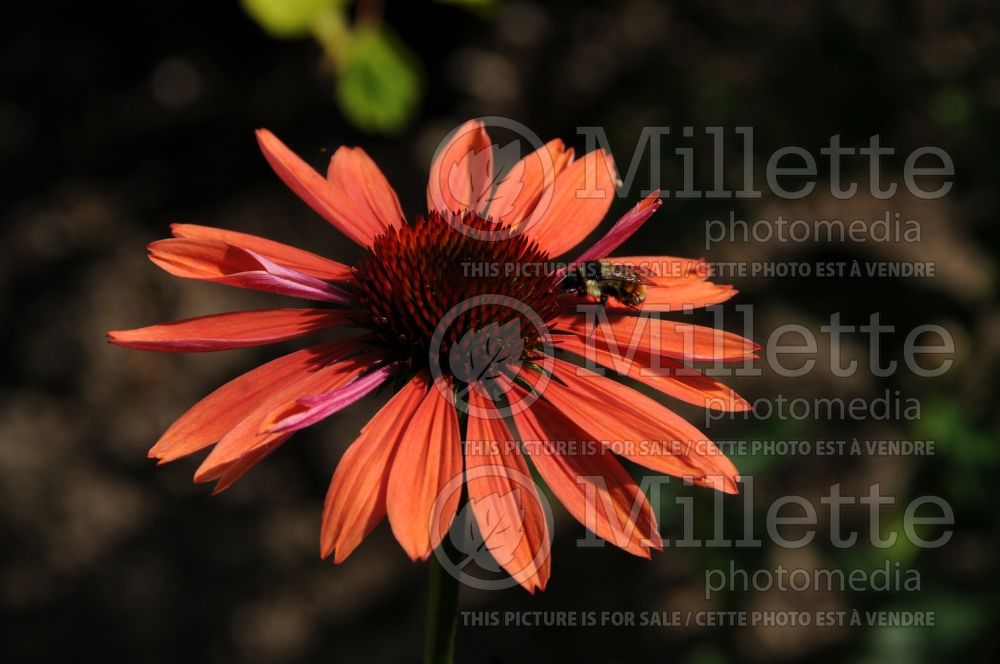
<point x="659" y="337"/>
<point x="428" y="459"/>
<point x="360" y="223"/>
<point x="670" y="377"/>
<point x="638" y="428"/>
<point x="253" y="432"/>
<point x="588" y="480"/>
<point x="237" y="469"/>
<point x="504" y="499"/>
<point x="282" y="254"/>
<point x="227" y="331"/>
<point x="355" y="502"/>
<point x="215" y="415"/>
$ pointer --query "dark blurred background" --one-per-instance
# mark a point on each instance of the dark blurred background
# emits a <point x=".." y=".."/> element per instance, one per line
<point x="116" y="120"/>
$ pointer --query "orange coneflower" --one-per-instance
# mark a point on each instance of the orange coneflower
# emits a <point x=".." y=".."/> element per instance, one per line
<point x="438" y="299"/>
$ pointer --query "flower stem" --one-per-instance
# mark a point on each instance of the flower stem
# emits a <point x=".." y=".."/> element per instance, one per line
<point x="442" y="610"/>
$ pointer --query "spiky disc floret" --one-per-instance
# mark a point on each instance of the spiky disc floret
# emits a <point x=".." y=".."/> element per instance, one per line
<point x="415" y="274"/>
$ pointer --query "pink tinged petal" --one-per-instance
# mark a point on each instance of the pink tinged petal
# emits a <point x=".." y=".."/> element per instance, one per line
<point x="461" y="174"/>
<point x="623" y="228"/>
<point x="253" y="432"/>
<point x="353" y="173"/>
<point x="361" y="223"/>
<point x="355" y="502"/>
<point x="283" y="254"/>
<point x="226" y="331"/>
<point x="671" y="377"/>
<point x="425" y="479"/>
<point x="218" y="262"/>
<point x="640" y="429"/>
<point x="588" y="481"/>
<point x="313" y="409"/>
<point x="528" y="181"/>
<point x="504" y="500"/>
<point x="215" y="415"/>
<point x="581" y="197"/>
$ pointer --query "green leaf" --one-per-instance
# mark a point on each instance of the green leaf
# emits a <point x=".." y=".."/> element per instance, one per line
<point x="288" y="18"/>
<point x="378" y="86"/>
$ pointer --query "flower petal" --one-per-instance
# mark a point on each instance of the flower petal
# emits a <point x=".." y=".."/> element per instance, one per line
<point x="356" y="500"/>
<point x="428" y="461"/>
<point x="670" y="377"/>
<point x="232" y="330"/>
<point x="504" y="500"/>
<point x="527" y="181"/>
<point x="215" y="415"/>
<point x="587" y="480"/>
<point x="310" y="410"/>
<point x="581" y="196"/>
<point x="253" y="432"/>
<point x="623" y="229"/>
<point x="218" y="262"/>
<point x="360" y="223"/>
<point x="638" y="428"/>
<point x="658" y="337"/>
<point x="282" y="254"/>
<point x="461" y="174"/>
<point x="237" y="469"/>
<point x="353" y="173"/>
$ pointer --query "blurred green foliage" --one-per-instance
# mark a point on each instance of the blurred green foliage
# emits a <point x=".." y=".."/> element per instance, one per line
<point x="379" y="84"/>
<point x="290" y="19"/>
<point x="378" y="87"/>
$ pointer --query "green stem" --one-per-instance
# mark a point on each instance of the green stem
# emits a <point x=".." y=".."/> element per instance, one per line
<point x="442" y="611"/>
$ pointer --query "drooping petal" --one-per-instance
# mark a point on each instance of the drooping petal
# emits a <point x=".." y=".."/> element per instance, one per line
<point x="355" y="502"/>
<point x="231" y="330"/>
<point x="670" y="377"/>
<point x="638" y="428"/>
<point x="361" y="223"/>
<point x="425" y="478"/>
<point x="581" y="196"/>
<point x="659" y="337"/>
<point x="312" y="409"/>
<point x="218" y="262"/>
<point x="228" y="475"/>
<point x="254" y="431"/>
<point x="461" y="174"/>
<point x="282" y="254"/>
<point x="587" y="480"/>
<point x="623" y="229"/>
<point x="528" y="181"/>
<point x="504" y="500"/>
<point x="211" y="418"/>
<point x="353" y="173"/>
